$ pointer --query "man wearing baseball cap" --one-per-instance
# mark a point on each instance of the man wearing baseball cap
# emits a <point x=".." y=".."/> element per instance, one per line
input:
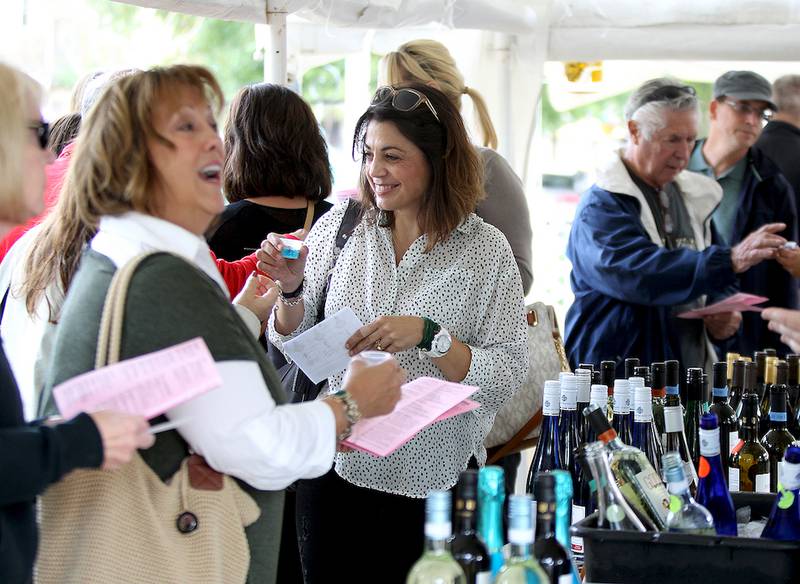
<point x="754" y="193"/>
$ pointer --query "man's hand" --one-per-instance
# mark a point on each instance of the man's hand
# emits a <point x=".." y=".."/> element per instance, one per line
<point x="790" y="260"/>
<point x="786" y="323"/>
<point x="723" y="325"/>
<point x="762" y="244"/>
<point x="259" y="296"/>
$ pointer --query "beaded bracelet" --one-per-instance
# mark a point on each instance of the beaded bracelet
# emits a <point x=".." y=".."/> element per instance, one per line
<point x="428" y="332"/>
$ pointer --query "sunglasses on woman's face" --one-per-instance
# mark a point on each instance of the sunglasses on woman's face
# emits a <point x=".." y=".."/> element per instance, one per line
<point x="42" y="130"/>
<point x="404" y="100"/>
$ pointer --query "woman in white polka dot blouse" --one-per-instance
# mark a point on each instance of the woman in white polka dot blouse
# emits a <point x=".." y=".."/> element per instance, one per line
<point x="436" y="286"/>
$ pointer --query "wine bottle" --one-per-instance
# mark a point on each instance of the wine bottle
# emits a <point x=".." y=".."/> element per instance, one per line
<point x="622" y="407"/>
<point x="784" y="519"/>
<point x="466" y="545"/>
<point x="563" y="492"/>
<point x="749" y="465"/>
<point x="643" y="437"/>
<point x="793" y="364"/>
<point x="637" y="479"/>
<point x="737" y="386"/>
<point x="760" y="359"/>
<point x="631" y="363"/>
<point x="676" y="438"/>
<point x="437" y="566"/>
<point x="583" y="383"/>
<point x="634" y="383"/>
<point x="608" y="373"/>
<point x="777" y="438"/>
<point x="658" y="389"/>
<point x="728" y="424"/>
<point x="730" y="359"/>
<point x="587" y="367"/>
<point x="491" y="495"/>
<point x="552" y="556"/>
<point x="643" y="371"/>
<point x="712" y="487"/>
<point x="584" y="502"/>
<point x="770" y="377"/>
<point x="597" y="397"/>
<point x="548" y="451"/>
<point x="568" y="426"/>
<point x="521" y="567"/>
<point x="673" y="375"/>
<point x="691" y="417"/>
<point x="685" y="514"/>
<point x="613" y="510"/>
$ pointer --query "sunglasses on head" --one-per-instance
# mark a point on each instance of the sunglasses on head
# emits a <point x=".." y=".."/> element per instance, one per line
<point x="42" y="130"/>
<point x="668" y="92"/>
<point x="404" y="100"/>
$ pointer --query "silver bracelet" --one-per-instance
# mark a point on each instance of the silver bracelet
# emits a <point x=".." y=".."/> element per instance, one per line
<point x="290" y="301"/>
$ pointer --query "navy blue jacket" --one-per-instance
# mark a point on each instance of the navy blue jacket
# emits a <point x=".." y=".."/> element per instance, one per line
<point x="766" y="197"/>
<point x="625" y="284"/>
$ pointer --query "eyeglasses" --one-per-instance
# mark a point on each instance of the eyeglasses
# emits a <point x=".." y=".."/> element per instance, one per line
<point x="746" y="109"/>
<point x="404" y="100"/>
<point x="668" y="92"/>
<point x="42" y="130"/>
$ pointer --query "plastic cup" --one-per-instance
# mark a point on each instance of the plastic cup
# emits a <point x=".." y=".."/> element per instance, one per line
<point x="790" y="245"/>
<point x="291" y="248"/>
<point x="373" y="357"/>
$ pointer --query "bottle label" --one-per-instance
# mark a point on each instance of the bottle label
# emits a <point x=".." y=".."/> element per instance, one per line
<point x="673" y="390"/>
<point x="673" y="419"/>
<point x="788" y="475"/>
<point x="709" y="442"/>
<point x="733" y="440"/>
<point x="576" y="543"/>
<point x="691" y="473"/>
<point x="762" y="483"/>
<point x="733" y="479"/>
<point x="719" y="392"/>
<point x="483" y="578"/>
<point x="777" y="416"/>
<point x="643" y="412"/>
<point x="654" y="490"/>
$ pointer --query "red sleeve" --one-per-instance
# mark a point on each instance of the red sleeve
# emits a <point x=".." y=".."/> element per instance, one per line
<point x="235" y="273"/>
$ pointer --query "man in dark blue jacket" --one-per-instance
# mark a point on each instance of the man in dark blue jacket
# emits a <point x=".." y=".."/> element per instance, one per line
<point x="642" y="246"/>
<point x="755" y="193"/>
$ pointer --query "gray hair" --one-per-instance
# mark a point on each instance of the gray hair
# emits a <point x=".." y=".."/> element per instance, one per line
<point x="646" y="107"/>
<point x="96" y="85"/>
<point x="786" y="94"/>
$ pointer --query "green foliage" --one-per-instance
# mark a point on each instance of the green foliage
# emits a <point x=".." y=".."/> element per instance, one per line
<point x="325" y="83"/>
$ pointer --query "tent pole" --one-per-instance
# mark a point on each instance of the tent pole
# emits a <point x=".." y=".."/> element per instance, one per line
<point x="275" y="66"/>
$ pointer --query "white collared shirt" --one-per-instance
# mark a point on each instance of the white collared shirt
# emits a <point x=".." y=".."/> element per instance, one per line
<point x="471" y="286"/>
<point x="238" y="428"/>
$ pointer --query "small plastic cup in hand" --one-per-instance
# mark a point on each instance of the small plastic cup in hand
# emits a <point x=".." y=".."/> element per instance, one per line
<point x="372" y="358"/>
<point x="790" y="245"/>
<point x="291" y="247"/>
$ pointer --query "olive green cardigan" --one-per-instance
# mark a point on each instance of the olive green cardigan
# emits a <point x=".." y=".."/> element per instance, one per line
<point x="169" y="301"/>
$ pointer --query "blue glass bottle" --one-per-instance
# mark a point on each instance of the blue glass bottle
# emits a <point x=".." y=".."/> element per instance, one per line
<point x="784" y="520"/>
<point x="622" y="408"/>
<point x="597" y="397"/>
<point x="491" y="495"/>
<point x="712" y="488"/>
<point x="548" y="451"/>
<point x="643" y="437"/>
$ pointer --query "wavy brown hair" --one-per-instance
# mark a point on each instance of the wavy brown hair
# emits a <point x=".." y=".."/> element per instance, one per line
<point x="111" y="171"/>
<point x="273" y="146"/>
<point x="456" y="169"/>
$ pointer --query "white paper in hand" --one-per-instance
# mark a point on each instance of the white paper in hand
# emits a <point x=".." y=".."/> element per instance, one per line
<point x="320" y="352"/>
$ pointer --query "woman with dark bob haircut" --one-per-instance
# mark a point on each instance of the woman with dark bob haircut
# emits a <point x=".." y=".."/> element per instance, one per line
<point x="276" y="172"/>
<point x="435" y="286"/>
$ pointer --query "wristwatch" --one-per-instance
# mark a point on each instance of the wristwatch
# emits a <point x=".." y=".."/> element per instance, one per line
<point x="351" y="412"/>
<point x="440" y="344"/>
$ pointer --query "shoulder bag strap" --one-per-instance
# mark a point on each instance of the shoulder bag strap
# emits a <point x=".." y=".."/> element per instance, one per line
<point x="309" y="215"/>
<point x="350" y="220"/>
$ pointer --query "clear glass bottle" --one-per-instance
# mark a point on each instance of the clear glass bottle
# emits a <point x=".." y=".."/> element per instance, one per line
<point x="749" y="464"/>
<point x="548" y="450"/>
<point x="658" y="390"/>
<point x="675" y="436"/>
<point x="712" y="486"/>
<point x="552" y="557"/>
<point x="521" y="567"/>
<point x="622" y="408"/>
<point x="643" y="437"/>
<point x="491" y="496"/>
<point x="784" y="519"/>
<point x="777" y="438"/>
<point x="728" y="424"/>
<point x="694" y="409"/>
<point x="613" y="510"/>
<point x="437" y="566"/>
<point x="466" y="545"/>
<point x="685" y="514"/>
<point x="637" y="479"/>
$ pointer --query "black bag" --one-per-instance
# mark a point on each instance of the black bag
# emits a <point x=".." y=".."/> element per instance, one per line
<point x="296" y="384"/>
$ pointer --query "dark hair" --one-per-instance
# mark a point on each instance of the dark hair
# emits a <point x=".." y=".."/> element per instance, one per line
<point x="273" y="146"/>
<point x="456" y="168"/>
<point x="63" y="131"/>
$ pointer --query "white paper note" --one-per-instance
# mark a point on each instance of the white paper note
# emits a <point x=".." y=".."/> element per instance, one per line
<point x="320" y="351"/>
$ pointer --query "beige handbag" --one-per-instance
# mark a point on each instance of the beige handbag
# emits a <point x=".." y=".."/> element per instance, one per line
<point x="129" y="526"/>
<point x="517" y="424"/>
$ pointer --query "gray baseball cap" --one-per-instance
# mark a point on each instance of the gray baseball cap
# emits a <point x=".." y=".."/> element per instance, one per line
<point x="744" y="85"/>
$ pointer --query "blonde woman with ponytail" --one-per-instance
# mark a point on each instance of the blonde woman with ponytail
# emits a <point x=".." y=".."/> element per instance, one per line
<point x="429" y="62"/>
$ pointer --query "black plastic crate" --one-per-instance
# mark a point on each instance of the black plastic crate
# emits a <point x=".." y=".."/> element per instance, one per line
<point x="627" y="557"/>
